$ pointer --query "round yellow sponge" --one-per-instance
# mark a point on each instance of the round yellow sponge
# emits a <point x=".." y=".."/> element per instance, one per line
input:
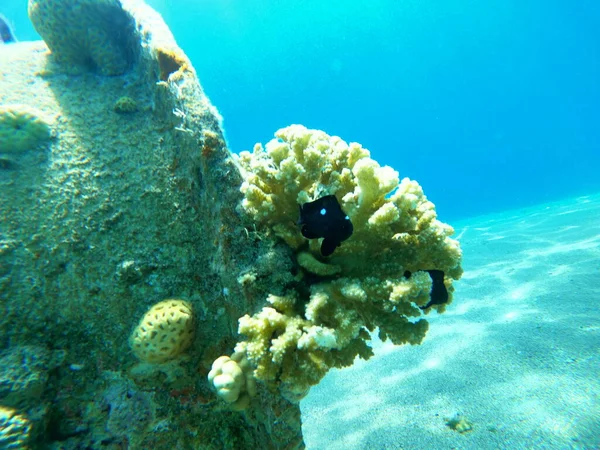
<point x="165" y="331"/>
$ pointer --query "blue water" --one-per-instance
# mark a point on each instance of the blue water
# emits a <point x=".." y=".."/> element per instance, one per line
<point x="488" y="104"/>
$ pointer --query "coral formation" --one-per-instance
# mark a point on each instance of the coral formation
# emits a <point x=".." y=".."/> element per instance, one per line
<point x="125" y="105"/>
<point x="165" y="331"/>
<point x="24" y="373"/>
<point x="22" y="128"/>
<point x="93" y="34"/>
<point x="233" y="380"/>
<point x="376" y="280"/>
<point x="14" y="430"/>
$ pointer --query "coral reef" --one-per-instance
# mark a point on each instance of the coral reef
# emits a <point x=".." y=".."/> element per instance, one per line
<point x="14" y="430"/>
<point x="165" y="331"/>
<point x="377" y="279"/>
<point x="24" y="373"/>
<point x="24" y="401"/>
<point x="22" y="128"/>
<point x="88" y="34"/>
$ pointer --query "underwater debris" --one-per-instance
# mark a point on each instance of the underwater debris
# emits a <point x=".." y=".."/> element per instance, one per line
<point x="459" y="423"/>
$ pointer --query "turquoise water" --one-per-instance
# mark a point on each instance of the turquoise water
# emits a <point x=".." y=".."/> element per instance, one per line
<point x="489" y="105"/>
<point x="493" y="107"/>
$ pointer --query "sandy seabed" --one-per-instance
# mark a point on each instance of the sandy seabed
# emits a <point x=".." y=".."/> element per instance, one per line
<point x="517" y="354"/>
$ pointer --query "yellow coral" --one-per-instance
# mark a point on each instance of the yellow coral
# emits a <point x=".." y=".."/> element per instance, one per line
<point x="377" y="279"/>
<point x="302" y="165"/>
<point x="165" y="331"/>
<point x="233" y="380"/>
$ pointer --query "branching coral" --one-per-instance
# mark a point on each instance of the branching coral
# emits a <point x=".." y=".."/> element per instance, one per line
<point x="395" y="226"/>
<point x="377" y="279"/>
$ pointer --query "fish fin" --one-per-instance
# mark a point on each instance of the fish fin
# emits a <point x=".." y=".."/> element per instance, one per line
<point x="439" y="293"/>
<point x="328" y="246"/>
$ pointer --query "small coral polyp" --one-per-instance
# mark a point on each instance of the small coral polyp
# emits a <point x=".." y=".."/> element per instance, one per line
<point x="165" y="331"/>
<point x="22" y="128"/>
<point x="376" y="280"/>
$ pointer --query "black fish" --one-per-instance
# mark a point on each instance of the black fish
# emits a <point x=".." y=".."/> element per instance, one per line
<point x="324" y="218"/>
<point x="439" y="293"/>
<point x="6" y="34"/>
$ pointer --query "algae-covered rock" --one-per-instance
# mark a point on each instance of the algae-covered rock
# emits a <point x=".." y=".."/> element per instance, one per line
<point x="91" y="34"/>
<point x="125" y="105"/>
<point x="119" y="214"/>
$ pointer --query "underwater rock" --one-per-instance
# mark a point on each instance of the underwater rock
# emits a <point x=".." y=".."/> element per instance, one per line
<point x="7" y="35"/>
<point x="119" y="215"/>
<point x="130" y="411"/>
<point x="97" y="35"/>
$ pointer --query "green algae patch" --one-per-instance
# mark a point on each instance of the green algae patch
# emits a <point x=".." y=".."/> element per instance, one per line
<point x="125" y="105"/>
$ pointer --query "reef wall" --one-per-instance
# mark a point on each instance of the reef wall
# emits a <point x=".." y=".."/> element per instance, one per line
<point x="118" y="192"/>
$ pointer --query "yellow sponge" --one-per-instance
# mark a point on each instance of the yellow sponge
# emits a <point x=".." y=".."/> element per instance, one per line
<point x="165" y="331"/>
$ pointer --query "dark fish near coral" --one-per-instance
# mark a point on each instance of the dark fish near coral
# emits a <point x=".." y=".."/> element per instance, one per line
<point x="324" y="218"/>
<point x="6" y="34"/>
<point x="438" y="294"/>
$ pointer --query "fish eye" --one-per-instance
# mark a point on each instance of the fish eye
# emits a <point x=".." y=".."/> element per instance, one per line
<point x="347" y="218"/>
<point x="323" y="211"/>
